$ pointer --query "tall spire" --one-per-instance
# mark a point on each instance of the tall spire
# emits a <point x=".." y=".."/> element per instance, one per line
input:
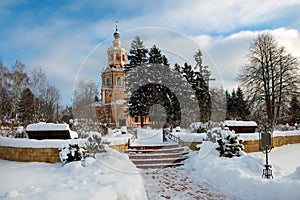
<point x="117" y="23"/>
<point x="116" y="33"/>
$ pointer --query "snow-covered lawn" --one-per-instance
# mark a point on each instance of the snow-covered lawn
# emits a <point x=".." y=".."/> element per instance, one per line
<point x="242" y="176"/>
<point x="110" y="176"/>
<point x="113" y="176"/>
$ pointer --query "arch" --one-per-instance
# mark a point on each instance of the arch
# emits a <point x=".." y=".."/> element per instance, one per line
<point x="152" y="93"/>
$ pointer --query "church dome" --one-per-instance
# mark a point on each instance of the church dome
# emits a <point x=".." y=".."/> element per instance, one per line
<point x="117" y="33"/>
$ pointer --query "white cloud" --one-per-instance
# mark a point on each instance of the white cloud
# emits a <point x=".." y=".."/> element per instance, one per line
<point x="59" y="45"/>
<point x="229" y="53"/>
<point x="215" y="15"/>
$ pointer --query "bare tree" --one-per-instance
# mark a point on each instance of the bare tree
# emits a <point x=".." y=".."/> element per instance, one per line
<point x="5" y="97"/>
<point x="51" y="96"/>
<point x="270" y="78"/>
<point x="38" y="85"/>
<point x="19" y="81"/>
<point x="84" y="99"/>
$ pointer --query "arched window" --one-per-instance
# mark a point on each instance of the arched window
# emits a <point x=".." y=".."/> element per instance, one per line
<point x="107" y="81"/>
<point x="119" y="81"/>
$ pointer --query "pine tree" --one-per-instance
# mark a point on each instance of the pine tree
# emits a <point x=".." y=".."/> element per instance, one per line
<point x="137" y="53"/>
<point x="26" y="106"/>
<point x="237" y="107"/>
<point x="155" y="56"/>
<point x="294" y="110"/>
<point x="230" y="144"/>
<point x="201" y="90"/>
<point x="242" y="106"/>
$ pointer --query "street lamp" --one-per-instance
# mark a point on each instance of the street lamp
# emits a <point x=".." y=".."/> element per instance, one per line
<point x="266" y="147"/>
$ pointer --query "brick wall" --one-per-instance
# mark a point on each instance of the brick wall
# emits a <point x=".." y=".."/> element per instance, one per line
<point x="120" y="147"/>
<point x="253" y="146"/>
<point x="191" y="145"/>
<point x="49" y="155"/>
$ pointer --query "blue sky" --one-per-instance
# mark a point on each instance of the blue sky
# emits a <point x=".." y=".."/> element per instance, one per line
<point x="58" y="35"/>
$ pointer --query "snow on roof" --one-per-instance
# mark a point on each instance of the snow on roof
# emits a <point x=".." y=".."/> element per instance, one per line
<point x="42" y="126"/>
<point x="239" y="123"/>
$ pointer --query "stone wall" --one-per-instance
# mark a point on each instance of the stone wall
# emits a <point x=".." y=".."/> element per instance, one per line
<point x="253" y="145"/>
<point x="121" y="147"/>
<point x="191" y="145"/>
<point x="49" y="155"/>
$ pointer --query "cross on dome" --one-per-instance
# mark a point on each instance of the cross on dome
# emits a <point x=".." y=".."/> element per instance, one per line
<point x="116" y="33"/>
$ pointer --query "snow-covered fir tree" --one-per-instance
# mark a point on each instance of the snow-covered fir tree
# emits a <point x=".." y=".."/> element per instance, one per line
<point x="230" y="144"/>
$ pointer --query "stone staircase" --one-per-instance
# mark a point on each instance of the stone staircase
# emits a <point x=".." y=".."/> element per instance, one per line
<point x="157" y="156"/>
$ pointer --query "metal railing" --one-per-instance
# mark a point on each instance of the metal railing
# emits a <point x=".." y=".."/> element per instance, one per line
<point x="172" y="137"/>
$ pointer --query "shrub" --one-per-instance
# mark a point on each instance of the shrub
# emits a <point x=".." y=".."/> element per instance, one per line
<point x="71" y="153"/>
<point x="230" y="144"/>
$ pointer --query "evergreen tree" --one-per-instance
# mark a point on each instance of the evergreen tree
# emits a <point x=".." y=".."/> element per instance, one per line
<point x="201" y="90"/>
<point x="237" y="107"/>
<point x="242" y="106"/>
<point x="155" y="56"/>
<point x="294" y="110"/>
<point x="137" y="53"/>
<point x="26" y="106"/>
<point x="230" y="144"/>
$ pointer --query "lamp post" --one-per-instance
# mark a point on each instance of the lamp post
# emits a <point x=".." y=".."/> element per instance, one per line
<point x="266" y="148"/>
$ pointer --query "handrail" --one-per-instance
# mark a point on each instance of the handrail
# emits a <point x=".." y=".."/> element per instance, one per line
<point x="172" y="137"/>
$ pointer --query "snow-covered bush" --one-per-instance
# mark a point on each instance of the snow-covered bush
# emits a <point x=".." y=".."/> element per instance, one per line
<point x="84" y="126"/>
<point x="229" y="144"/>
<point x="72" y="152"/>
<point x="197" y="127"/>
<point x="96" y="143"/>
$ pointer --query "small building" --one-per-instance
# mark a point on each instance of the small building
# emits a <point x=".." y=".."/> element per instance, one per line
<point x="44" y="130"/>
<point x="241" y="126"/>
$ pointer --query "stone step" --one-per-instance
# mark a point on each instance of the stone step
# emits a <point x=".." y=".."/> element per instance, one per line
<point x="158" y="161"/>
<point x="161" y="165"/>
<point x="156" y="151"/>
<point x="155" y="147"/>
<point x="155" y="156"/>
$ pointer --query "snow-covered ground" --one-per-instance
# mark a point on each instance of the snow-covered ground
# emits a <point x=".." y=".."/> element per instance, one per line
<point x="242" y="176"/>
<point x="112" y="176"/>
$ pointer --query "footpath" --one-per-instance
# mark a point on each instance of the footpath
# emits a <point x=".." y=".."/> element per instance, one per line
<point x="176" y="183"/>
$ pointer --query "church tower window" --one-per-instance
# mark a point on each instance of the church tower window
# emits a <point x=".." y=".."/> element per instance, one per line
<point x="108" y="81"/>
<point x="119" y="81"/>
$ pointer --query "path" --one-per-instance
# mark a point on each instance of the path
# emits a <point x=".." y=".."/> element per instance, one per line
<point x="173" y="183"/>
<point x="176" y="183"/>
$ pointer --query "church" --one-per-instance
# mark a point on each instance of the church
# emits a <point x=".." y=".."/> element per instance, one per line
<point x="112" y="108"/>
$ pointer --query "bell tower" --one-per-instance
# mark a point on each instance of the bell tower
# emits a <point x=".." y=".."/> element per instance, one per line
<point x="113" y="92"/>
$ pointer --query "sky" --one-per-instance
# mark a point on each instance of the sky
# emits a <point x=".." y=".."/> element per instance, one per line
<point x="69" y="39"/>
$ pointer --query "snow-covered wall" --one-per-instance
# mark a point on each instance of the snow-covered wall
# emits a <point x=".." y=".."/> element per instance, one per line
<point x="279" y="138"/>
<point x="30" y="143"/>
